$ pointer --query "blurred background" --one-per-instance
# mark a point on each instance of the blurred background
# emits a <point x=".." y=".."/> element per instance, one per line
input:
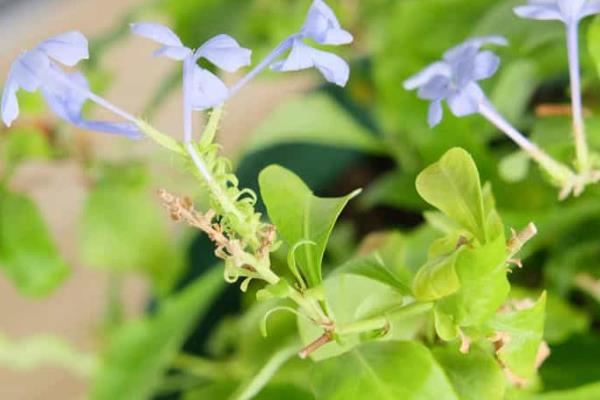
<point x="117" y="254"/>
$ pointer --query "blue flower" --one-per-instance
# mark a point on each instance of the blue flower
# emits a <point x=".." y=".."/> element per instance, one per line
<point x="322" y="26"/>
<point x="455" y="78"/>
<point x="568" y="11"/>
<point x="205" y="89"/>
<point x="65" y="94"/>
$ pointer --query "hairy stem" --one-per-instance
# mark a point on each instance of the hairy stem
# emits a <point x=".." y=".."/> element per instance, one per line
<point x="581" y="147"/>
<point x="279" y="50"/>
<point x="560" y="174"/>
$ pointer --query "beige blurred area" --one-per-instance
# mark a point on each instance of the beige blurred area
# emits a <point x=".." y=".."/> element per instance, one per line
<point x="73" y="310"/>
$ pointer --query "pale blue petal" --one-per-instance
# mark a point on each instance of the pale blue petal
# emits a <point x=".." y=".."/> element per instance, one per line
<point x="68" y="48"/>
<point x="475" y="44"/>
<point x="333" y="67"/>
<point x="29" y="69"/>
<point x="438" y="68"/>
<point x="435" y="113"/>
<point x="466" y="101"/>
<point x="207" y="89"/>
<point x="300" y="58"/>
<point x="157" y="32"/>
<point x="117" y="128"/>
<point x="10" y="105"/>
<point x="591" y="8"/>
<point x="67" y="104"/>
<point x="336" y="37"/>
<point x="540" y="12"/>
<point x="571" y="9"/>
<point x="437" y="88"/>
<point x="174" y="52"/>
<point x="486" y="65"/>
<point x="225" y="52"/>
<point x="323" y="26"/>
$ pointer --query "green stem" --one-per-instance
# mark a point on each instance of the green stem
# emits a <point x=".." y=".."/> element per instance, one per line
<point x="258" y="382"/>
<point x="382" y="321"/>
<point x="203" y="368"/>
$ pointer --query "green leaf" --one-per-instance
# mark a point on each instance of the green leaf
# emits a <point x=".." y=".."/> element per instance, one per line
<point x="44" y="350"/>
<point x="452" y="185"/>
<point x="586" y="392"/>
<point x="351" y="298"/>
<point x="525" y="329"/>
<point x="383" y="371"/>
<point x="299" y="215"/>
<point x="28" y="254"/>
<point x="276" y="391"/>
<point x="484" y="285"/>
<point x="374" y="267"/>
<point x="437" y="278"/>
<point x="315" y="119"/>
<point x="475" y="375"/>
<point x="124" y="228"/>
<point x="515" y="167"/>
<point x="139" y="352"/>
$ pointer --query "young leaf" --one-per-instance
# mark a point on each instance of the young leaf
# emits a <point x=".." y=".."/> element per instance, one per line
<point x="383" y="371"/>
<point x="317" y="119"/>
<point x="374" y="267"/>
<point x="452" y="185"/>
<point x="27" y="252"/>
<point x="475" y="375"/>
<point x="437" y="278"/>
<point x="139" y="352"/>
<point x="483" y="284"/>
<point x="525" y="330"/>
<point x="299" y="215"/>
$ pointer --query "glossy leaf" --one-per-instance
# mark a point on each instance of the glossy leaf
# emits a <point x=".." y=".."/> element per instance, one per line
<point x="28" y="254"/>
<point x="438" y="278"/>
<point x="525" y="334"/>
<point x="452" y="185"/>
<point x="139" y="352"/>
<point x="475" y="375"/>
<point x="484" y="284"/>
<point x="386" y="371"/>
<point x="300" y="215"/>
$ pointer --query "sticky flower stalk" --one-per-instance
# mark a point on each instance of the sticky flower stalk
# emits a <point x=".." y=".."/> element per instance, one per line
<point x="581" y="147"/>
<point x="274" y="55"/>
<point x="560" y="174"/>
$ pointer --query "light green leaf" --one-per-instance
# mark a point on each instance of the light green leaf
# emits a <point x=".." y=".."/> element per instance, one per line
<point x="585" y="392"/>
<point x="445" y="327"/>
<point x="27" y="252"/>
<point x="315" y="118"/>
<point x="514" y="167"/>
<point x="222" y="390"/>
<point x="299" y="215"/>
<point x="525" y="329"/>
<point x="139" y="352"/>
<point x="437" y="278"/>
<point x="124" y="228"/>
<point x="383" y="371"/>
<point x="374" y="267"/>
<point x="452" y="185"/>
<point x="484" y="285"/>
<point x="475" y="376"/>
<point x="44" y="350"/>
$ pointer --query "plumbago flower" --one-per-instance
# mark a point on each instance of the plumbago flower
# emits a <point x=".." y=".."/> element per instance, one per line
<point x="202" y="89"/>
<point x="321" y="26"/>
<point x="455" y="78"/>
<point x="570" y="12"/>
<point x="65" y="93"/>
